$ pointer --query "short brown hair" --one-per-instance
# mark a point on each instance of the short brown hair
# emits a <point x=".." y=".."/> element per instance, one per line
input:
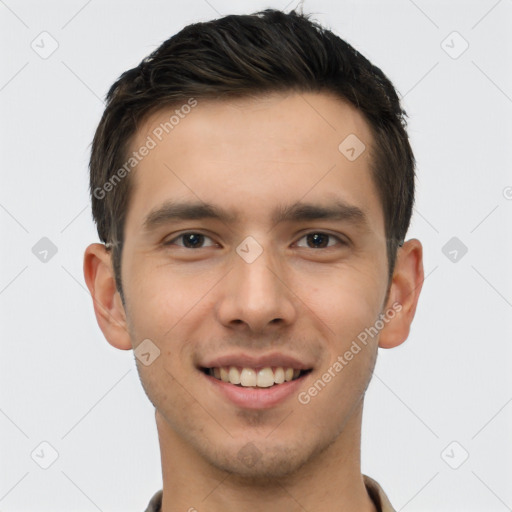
<point x="249" y="55"/>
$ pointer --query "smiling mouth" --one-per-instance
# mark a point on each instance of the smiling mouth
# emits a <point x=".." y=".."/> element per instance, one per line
<point x="255" y="377"/>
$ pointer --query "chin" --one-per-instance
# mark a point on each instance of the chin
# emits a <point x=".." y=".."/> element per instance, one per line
<point x="256" y="464"/>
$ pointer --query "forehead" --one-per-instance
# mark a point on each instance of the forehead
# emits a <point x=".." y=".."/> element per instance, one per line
<point x="247" y="154"/>
<point x="277" y="124"/>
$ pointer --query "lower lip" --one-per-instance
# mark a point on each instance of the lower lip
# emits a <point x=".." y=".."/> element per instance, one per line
<point x="256" y="398"/>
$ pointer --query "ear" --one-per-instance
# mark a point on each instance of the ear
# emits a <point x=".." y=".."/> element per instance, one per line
<point x="404" y="293"/>
<point x="108" y="307"/>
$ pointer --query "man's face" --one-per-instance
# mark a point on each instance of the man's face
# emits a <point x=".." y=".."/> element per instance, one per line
<point x="251" y="290"/>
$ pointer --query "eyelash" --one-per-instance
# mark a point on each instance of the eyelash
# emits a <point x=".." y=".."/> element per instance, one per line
<point x="340" y="240"/>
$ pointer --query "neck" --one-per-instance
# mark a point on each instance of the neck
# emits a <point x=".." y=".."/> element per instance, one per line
<point x="331" y="481"/>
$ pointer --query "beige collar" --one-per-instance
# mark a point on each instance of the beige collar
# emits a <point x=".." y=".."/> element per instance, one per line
<point x="377" y="495"/>
<point x="374" y="490"/>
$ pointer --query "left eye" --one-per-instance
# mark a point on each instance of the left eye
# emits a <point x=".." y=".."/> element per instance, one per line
<point x="320" y="240"/>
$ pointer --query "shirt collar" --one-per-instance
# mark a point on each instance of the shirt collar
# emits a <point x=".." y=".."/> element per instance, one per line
<point x="377" y="495"/>
<point x="375" y="491"/>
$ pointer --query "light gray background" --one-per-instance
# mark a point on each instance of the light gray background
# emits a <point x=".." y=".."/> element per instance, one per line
<point x="451" y="381"/>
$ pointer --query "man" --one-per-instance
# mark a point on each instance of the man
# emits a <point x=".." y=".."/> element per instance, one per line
<point x="252" y="184"/>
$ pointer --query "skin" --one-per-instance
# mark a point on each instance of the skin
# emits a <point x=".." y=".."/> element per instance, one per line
<point x="249" y="156"/>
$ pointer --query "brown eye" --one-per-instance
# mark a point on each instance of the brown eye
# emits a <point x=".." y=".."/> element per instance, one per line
<point x="190" y="240"/>
<point x="319" y="240"/>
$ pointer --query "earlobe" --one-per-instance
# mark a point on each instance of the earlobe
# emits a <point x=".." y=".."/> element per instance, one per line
<point x="405" y="290"/>
<point x="108" y="307"/>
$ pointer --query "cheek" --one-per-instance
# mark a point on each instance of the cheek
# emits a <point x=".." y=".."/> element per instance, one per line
<point x="159" y="296"/>
<point x="347" y="303"/>
<point x="346" y="300"/>
<point x="159" y="308"/>
<point x="168" y="306"/>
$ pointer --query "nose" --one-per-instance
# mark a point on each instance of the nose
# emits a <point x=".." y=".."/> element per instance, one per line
<point x="256" y="295"/>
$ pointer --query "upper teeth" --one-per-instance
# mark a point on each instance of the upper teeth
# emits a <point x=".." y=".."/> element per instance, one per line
<point x="247" y="377"/>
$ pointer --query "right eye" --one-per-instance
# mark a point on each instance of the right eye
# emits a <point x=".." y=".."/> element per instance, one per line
<point x="191" y="240"/>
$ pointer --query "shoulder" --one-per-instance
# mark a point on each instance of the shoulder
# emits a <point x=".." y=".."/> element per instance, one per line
<point x="156" y="502"/>
<point x="377" y="495"/>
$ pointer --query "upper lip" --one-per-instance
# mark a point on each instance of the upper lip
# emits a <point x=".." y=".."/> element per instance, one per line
<point x="250" y="361"/>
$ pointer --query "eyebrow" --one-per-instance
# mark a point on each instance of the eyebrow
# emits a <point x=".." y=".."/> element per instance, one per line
<point x="337" y="210"/>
